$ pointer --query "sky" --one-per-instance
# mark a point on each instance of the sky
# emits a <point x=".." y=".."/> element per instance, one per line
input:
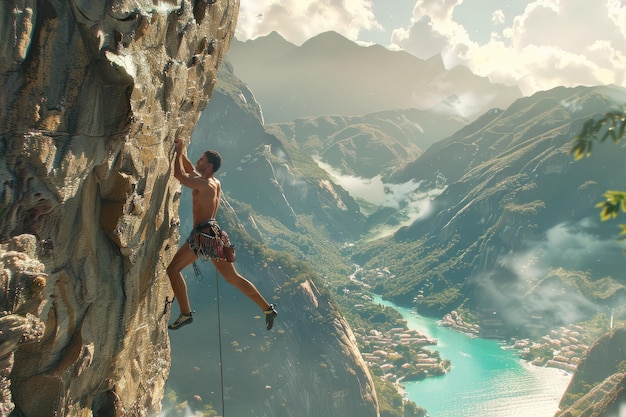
<point x="534" y="44"/>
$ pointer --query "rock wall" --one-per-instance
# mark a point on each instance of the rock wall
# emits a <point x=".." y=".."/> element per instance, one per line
<point x="92" y="95"/>
<point x="598" y="388"/>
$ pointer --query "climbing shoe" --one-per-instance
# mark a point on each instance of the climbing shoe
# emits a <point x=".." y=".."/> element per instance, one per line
<point x="270" y="314"/>
<point x="182" y="320"/>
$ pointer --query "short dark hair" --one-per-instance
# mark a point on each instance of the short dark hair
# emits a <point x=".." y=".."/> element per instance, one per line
<point x="213" y="157"/>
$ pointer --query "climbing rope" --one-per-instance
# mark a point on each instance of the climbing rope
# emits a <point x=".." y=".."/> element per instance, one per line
<point x="200" y="277"/>
<point x="219" y="336"/>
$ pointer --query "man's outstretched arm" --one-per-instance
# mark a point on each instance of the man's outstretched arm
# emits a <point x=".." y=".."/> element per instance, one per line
<point x="183" y="169"/>
<point x="182" y="165"/>
<point x="188" y="166"/>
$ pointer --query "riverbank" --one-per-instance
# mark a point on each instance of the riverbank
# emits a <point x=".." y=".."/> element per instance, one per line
<point x="401" y="355"/>
<point x="484" y="380"/>
<point x="561" y="348"/>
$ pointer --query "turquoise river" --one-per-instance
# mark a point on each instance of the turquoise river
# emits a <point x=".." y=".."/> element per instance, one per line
<point x="485" y="380"/>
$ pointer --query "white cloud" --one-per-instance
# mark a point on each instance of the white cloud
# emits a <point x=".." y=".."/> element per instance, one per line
<point x="572" y="246"/>
<point x="432" y="29"/>
<point x="299" y="20"/>
<point x="420" y="39"/>
<point x="497" y="17"/>
<point x="553" y="42"/>
<point x="567" y="247"/>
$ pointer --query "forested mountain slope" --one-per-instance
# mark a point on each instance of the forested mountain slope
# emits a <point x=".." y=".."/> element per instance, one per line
<point x="515" y="233"/>
<point x="368" y="145"/>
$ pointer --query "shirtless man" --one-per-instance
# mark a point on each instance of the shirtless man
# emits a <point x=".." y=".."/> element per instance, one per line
<point x="205" y="202"/>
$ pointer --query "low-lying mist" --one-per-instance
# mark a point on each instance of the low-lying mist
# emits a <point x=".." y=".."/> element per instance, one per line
<point x="398" y="204"/>
<point x="546" y="278"/>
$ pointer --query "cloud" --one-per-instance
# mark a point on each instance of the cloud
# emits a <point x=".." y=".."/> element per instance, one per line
<point x="565" y="42"/>
<point x="570" y="247"/>
<point x="497" y="17"/>
<point x="547" y="43"/>
<point x="579" y="247"/>
<point x="299" y="20"/>
<point x="432" y="29"/>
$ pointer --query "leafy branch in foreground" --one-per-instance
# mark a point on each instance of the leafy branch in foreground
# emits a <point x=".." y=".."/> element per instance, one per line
<point x="615" y="201"/>
<point x="612" y="125"/>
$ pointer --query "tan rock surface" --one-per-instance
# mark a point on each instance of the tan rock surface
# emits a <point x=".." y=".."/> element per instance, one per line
<point x="92" y="95"/>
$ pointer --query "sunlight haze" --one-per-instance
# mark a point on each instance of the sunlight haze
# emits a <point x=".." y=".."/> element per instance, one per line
<point x="536" y="45"/>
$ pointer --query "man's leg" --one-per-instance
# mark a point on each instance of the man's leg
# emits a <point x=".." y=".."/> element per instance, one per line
<point x="184" y="257"/>
<point x="230" y="274"/>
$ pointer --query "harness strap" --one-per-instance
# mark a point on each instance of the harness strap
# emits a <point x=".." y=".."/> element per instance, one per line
<point x="210" y="222"/>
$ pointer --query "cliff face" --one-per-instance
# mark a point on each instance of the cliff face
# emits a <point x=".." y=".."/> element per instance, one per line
<point x="92" y="95"/>
<point x="598" y="388"/>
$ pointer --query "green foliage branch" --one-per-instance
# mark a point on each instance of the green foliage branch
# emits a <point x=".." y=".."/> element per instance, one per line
<point x="611" y="126"/>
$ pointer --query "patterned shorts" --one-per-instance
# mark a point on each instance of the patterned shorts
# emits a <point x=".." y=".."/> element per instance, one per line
<point x="207" y="241"/>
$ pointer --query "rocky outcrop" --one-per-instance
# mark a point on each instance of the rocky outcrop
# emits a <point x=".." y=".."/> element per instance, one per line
<point x="23" y="280"/>
<point x="334" y="380"/>
<point x="92" y="95"/>
<point x="598" y="388"/>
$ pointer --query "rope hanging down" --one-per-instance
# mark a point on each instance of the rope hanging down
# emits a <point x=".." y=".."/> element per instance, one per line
<point x="219" y="336"/>
<point x="198" y="273"/>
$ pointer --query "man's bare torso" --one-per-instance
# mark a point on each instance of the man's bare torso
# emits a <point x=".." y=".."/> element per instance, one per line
<point x="206" y="201"/>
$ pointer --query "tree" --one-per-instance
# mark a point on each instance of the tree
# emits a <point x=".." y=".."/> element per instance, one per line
<point x="612" y="126"/>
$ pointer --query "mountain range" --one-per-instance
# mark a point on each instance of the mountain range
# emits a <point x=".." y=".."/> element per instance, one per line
<point x="329" y="74"/>
<point x="515" y="208"/>
<point x="371" y="144"/>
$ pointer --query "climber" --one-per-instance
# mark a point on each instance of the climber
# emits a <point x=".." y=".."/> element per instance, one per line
<point x="202" y="240"/>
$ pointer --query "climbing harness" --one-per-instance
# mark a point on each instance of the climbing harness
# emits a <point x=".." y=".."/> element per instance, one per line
<point x="196" y="270"/>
